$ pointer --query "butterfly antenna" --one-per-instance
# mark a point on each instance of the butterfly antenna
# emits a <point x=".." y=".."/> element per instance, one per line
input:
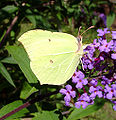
<point x="79" y="30"/>
<point x="87" y="29"/>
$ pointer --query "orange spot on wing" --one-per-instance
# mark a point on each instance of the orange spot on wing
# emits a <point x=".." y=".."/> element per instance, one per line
<point x="49" y="40"/>
<point x="51" y="61"/>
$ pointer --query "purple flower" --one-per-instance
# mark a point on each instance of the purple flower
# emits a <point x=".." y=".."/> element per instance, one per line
<point x="114" y="45"/>
<point x="84" y="100"/>
<point x="100" y="40"/>
<point x="113" y="34"/>
<point x="114" y="107"/>
<point x="94" y="82"/>
<point x="67" y="97"/>
<point x="114" y="89"/>
<point x="79" y="79"/>
<point x="69" y="93"/>
<point x="90" y="49"/>
<point x="102" y="32"/>
<point x="105" y="80"/>
<point x="95" y="91"/>
<point x="95" y="43"/>
<point x="88" y="59"/>
<point x="110" y="91"/>
<point x="85" y="97"/>
<point x="114" y="76"/>
<point x="113" y="56"/>
<point x="78" y="75"/>
<point x="81" y="102"/>
<point x="106" y="47"/>
<point x="87" y="62"/>
<point x="103" y="17"/>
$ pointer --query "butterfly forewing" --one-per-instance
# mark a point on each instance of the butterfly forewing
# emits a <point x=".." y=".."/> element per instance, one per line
<point x="53" y="55"/>
<point x="41" y="43"/>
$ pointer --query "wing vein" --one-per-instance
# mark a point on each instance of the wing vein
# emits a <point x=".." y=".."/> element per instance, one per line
<point x="69" y="64"/>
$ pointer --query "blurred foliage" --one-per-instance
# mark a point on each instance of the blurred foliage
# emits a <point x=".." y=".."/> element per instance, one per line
<point x="54" y="15"/>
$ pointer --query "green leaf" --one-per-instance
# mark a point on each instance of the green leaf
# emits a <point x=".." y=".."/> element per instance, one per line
<point x="80" y="113"/>
<point x="9" y="107"/>
<point x="9" y="60"/>
<point x="110" y="19"/>
<point x="31" y="17"/>
<point x="46" y="115"/>
<point x="27" y="90"/>
<point x="64" y="118"/>
<point x="5" y="73"/>
<point x="9" y="9"/>
<point x="102" y="2"/>
<point x="20" y="56"/>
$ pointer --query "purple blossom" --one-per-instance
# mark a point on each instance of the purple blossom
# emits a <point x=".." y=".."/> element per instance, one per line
<point x="90" y="49"/>
<point x="79" y="79"/>
<point x="103" y="17"/>
<point x="110" y="91"/>
<point x="67" y="103"/>
<point x="85" y="97"/>
<point x="69" y="93"/>
<point x="88" y="59"/>
<point x="94" y="82"/>
<point x="87" y="62"/>
<point x="100" y="40"/>
<point x="105" y="80"/>
<point x="78" y="74"/>
<point x="106" y="47"/>
<point x="113" y="56"/>
<point x="102" y="32"/>
<point x="113" y="34"/>
<point x="114" y="45"/>
<point x="84" y="100"/>
<point x="95" y="43"/>
<point x="101" y="58"/>
<point x="114" y="76"/>
<point x="114" y="107"/>
<point x="95" y="91"/>
<point x="114" y="89"/>
<point x="81" y="102"/>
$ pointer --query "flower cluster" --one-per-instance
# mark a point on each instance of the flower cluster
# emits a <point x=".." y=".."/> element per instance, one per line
<point x="97" y="78"/>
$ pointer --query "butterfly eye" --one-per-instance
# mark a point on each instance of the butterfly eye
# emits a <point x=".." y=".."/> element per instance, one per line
<point x="79" y="38"/>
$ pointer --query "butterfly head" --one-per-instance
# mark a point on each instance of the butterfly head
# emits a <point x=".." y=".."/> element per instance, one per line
<point x="79" y="38"/>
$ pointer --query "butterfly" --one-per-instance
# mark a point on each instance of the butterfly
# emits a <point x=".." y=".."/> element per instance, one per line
<point x="54" y="56"/>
